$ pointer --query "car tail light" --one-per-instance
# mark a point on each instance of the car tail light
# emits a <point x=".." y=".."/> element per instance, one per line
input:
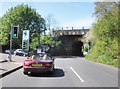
<point x="26" y="64"/>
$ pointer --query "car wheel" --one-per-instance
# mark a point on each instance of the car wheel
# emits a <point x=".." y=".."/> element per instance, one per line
<point x="51" y="72"/>
<point x="25" y="72"/>
<point x="53" y="68"/>
<point x="24" y="55"/>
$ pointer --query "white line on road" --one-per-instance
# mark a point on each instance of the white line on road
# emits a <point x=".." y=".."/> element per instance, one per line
<point x="77" y="74"/>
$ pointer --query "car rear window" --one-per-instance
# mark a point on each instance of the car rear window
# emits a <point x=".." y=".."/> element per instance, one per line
<point x="40" y="57"/>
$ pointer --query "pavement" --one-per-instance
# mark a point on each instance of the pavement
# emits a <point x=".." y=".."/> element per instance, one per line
<point x="7" y="67"/>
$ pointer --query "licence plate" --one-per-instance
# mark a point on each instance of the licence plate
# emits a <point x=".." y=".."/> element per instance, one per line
<point x="36" y="65"/>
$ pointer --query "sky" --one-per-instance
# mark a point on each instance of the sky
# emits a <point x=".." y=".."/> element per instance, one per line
<point x="66" y="14"/>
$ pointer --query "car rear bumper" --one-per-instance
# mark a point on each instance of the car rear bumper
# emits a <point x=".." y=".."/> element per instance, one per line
<point x="38" y="70"/>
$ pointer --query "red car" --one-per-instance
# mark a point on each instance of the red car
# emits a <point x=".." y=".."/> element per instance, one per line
<point x="39" y="63"/>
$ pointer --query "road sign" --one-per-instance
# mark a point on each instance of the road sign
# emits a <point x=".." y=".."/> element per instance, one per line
<point x="25" y="40"/>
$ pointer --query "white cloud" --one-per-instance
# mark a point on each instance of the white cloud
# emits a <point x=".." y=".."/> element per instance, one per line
<point x="79" y="23"/>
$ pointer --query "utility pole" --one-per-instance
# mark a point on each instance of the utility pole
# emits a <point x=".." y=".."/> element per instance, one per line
<point x="13" y="34"/>
<point x="10" y="56"/>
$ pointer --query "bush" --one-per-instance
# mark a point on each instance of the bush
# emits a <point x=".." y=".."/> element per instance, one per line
<point x="105" y="59"/>
<point x="85" y="47"/>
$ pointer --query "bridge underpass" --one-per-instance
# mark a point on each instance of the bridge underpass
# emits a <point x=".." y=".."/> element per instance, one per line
<point x="71" y="42"/>
<point x="77" y="48"/>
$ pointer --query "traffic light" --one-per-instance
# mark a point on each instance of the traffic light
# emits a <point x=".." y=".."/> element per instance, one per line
<point x="15" y="32"/>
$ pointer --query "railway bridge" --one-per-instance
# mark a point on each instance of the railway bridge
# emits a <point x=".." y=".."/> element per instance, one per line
<point x="71" y="41"/>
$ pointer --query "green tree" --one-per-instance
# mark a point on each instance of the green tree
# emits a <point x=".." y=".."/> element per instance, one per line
<point x="106" y="33"/>
<point x="24" y="16"/>
<point x="45" y="40"/>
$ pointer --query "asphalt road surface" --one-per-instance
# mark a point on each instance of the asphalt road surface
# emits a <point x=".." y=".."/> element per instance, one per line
<point x="69" y="72"/>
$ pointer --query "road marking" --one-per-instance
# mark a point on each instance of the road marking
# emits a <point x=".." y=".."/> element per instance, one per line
<point x="77" y="74"/>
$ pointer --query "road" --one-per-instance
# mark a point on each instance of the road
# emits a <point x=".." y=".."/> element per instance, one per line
<point x="69" y="72"/>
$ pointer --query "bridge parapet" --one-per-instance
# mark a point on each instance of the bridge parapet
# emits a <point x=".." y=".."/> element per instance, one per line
<point x="70" y="32"/>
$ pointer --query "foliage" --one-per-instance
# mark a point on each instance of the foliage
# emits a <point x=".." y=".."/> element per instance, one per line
<point x="85" y="49"/>
<point x="25" y="17"/>
<point x="45" y="40"/>
<point x="106" y="34"/>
